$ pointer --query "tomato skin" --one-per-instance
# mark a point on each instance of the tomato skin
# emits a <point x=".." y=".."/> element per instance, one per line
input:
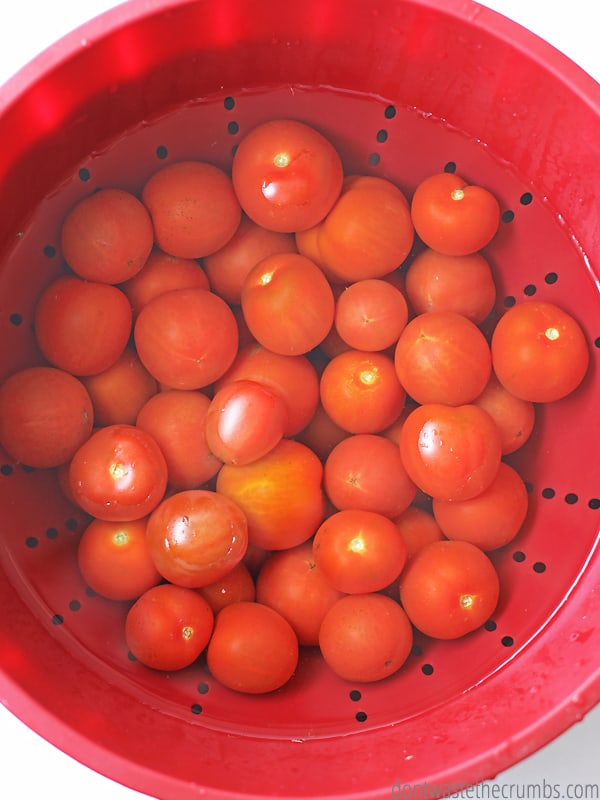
<point x="359" y="551"/>
<point x="365" y="637"/>
<point x="107" y="236"/>
<point x="418" y="528"/>
<point x="370" y="315"/>
<point x="453" y="217"/>
<point x="449" y="589"/>
<point x="46" y="414"/>
<point x="253" y="649"/>
<point x="118" y="474"/>
<point x="321" y="434"/>
<point x="196" y="537"/>
<point x="442" y="357"/>
<point x="291" y="582"/>
<point x="287" y="175"/>
<point x="450" y="452"/>
<point x="236" y="586"/>
<point x="539" y="352"/>
<point x="114" y="559"/>
<point x="514" y="417"/>
<point x="168" y="627"/>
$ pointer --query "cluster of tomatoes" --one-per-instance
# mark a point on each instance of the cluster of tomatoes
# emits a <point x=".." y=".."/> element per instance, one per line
<point x="281" y="438"/>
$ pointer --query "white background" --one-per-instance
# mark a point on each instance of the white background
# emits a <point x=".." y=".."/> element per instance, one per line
<point x="32" y="768"/>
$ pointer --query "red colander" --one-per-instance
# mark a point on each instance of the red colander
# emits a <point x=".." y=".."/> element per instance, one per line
<point x="404" y="88"/>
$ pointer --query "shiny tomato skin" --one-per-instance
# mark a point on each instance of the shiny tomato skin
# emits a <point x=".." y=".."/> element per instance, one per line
<point x="449" y="589"/>
<point x="287" y="175"/>
<point x="365" y="637"/>
<point x="118" y="474"/>
<point x="539" y="351"/>
<point x="168" y="627"/>
<point x="450" y="452"/>
<point x="253" y="648"/>
<point x="196" y="537"/>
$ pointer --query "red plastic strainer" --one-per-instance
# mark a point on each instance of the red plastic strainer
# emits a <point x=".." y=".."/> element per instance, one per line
<point x="404" y="89"/>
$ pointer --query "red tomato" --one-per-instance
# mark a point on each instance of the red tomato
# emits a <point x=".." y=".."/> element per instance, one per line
<point x="442" y="357"/>
<point x="186" y="338"/>
<point x="228" y="268"/>
<point x="193" y="207"/>
<point x="365" y="471"/>
<point x="119" y="474"/>
<point x="253" y="649"/>
<point x="453" y="217"/>
<point x="288" y="304"/>
<point x="196" y="537"/>
<point x="463" y="284"/>
<point x="82" y="326"/>
<point x="359" y="551"/>
<point x="365" y="637"/>
<point x="539" y="352"/>
<point x="490" y="520"/>
<point x="450" y="452"/>
<point x="279" y="493"/>
<point x="361" y="392"/>
<point x="370" y="315"/>
<point x="160" y="274"/>
<point x="418" y="528"/>
<point x="176" y="419"/>
<point x="107" y="236"/>
<point x="168" y="627"/>
<point x="292" y="377"/>
<point x="244" y="421"/>
<point x="120" y="391"/>
<point x="322" y="434"/>
<point x="514" y="417"/>
<point x="114" y="559"/>
<point x="449" y="589"/>
<point x="287" y="175"/>
<point x="234" y="587"/>
<point x="46" y="414"/>
<point x="291" y="582"/>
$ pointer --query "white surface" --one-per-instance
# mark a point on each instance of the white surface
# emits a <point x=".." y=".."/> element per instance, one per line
<point x="32" y="768"/>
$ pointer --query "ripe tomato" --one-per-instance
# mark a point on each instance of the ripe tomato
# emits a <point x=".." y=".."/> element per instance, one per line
<point x="234" y="587"/>
<point x="107" y="236"/>
<point x="539" y="352"/>
<point x="370" y="314"/>
<point x="193" y="206"/>
<point x="321" y="434"/>
<point x="490" y="520"/>
<point x="82" y="326"/>
<point x="120" y="391"/>
<point x="287" y="175"/>
<point x="450" y="452"/>
<point x="280" y="494"/>
<point x="292" y="377"/>
<point x="514" y="417"/>
<point x="361" y="392"/>
<point x="176" y="419"/>
<point x="228" y="268"/>
<point x="119" y="474"/>
<point x="449" y="589"/>
<point x="359" y="551"/>
<point x="365" y="471"/>
<point x="114" y="559"/>
<point x="291" y="582"/>
<point x="291" y="289"/>
<point x="452" y="216"/>
<point x="365" y="637"/>
<point x="46" y="414"/>
<point x="244" y="421"/>
<point x="186" y="338"/>
<point x="442" y="357"/>
<point x="418" y="528"/>
<point x="253" y="649"/>
<point x="196" y="537"/>
<point x="168" y="627"/>
<point x="463" y="284"/>
<point x="160" y="274"/>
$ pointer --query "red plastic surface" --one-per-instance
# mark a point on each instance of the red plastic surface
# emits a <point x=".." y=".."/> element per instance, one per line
<point x="403" y="89"/>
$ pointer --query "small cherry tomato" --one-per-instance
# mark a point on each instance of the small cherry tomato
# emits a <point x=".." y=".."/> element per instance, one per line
<point x="418" y="528"/>
<point x="370" y="315"/>
<point x="514" y="417"/>
<point x="234" y="587"/>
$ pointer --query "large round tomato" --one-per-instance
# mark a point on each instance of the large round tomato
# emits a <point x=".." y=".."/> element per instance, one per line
<point x="449" y="589"/>
<point x="195" y="537"/>
<point x="287" y="175"/>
